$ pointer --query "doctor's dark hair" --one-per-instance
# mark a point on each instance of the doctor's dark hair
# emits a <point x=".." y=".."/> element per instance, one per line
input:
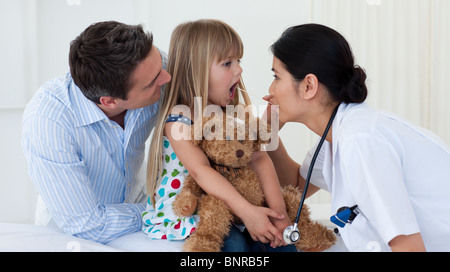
<point x="322" y="51"/>
<point x="103" y="57"/>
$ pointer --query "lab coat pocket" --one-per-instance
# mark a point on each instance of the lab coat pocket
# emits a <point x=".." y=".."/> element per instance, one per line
<point x="361" y="236"/>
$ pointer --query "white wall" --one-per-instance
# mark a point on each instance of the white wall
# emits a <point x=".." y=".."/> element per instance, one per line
<point x="403" y="45"/>
<point x="34" y="48"/>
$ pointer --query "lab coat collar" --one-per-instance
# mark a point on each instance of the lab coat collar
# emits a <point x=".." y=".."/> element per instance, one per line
<point x="329" y="159"/>
<point x="343" y="108"/>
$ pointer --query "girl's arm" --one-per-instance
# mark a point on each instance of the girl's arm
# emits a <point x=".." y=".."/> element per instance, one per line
<point x="267" y="175"/>
<point x="256" y="219"/>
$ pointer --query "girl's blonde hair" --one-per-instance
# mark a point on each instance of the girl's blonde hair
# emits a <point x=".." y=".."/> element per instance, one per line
<point x="193" y="47"/>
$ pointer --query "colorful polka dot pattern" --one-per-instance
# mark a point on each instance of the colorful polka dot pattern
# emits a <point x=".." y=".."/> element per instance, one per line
<point x="160" y="222"/>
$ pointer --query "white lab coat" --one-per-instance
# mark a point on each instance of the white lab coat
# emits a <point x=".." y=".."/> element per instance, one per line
<point x="396" y="172"/>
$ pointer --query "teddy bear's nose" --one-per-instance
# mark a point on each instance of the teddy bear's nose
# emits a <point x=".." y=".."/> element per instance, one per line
<point x="239" y="154"/>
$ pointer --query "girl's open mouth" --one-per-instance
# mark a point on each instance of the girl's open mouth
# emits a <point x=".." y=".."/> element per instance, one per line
<point x="233" y="90"/>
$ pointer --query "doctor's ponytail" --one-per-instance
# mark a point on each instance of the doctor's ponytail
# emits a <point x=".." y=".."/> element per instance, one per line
<point x="322" y="51"/>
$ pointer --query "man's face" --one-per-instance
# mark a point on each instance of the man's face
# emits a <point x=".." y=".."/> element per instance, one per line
<point x="146" y="80"/>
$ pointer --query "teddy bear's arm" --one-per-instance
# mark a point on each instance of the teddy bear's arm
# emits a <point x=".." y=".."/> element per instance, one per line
<point x="186" y="201"/>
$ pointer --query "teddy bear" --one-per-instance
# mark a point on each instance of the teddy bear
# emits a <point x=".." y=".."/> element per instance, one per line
<point x="229" y="143"/>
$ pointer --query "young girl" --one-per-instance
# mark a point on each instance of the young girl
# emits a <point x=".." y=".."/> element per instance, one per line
<point x="204" y="63"/>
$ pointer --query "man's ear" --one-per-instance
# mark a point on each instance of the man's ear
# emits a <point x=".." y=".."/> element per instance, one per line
<point x="309" y="86"/>
<point x="108" y="102"/>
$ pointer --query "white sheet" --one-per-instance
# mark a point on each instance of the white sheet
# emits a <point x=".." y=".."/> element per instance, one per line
<point x="32" y="238"/>
<point x="138" y="242"/>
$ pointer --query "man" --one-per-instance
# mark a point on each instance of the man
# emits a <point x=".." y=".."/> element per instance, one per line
<point x="84" y="134"/>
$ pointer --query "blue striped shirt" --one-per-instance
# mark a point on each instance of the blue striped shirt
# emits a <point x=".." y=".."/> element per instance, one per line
<point x="86" y="168"/>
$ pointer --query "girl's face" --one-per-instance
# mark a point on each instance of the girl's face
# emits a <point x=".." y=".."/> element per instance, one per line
<point x="224" y="77"/>
<point x="284" y="92"/>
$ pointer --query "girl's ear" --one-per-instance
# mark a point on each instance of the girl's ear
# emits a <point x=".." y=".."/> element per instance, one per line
<point x="309" y="86"/>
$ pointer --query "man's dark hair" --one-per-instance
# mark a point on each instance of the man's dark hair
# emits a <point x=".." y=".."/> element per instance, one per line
<point x="103" y="57"/>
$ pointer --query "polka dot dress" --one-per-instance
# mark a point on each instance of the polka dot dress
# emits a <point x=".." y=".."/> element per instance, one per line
<point x="160" y="222"/>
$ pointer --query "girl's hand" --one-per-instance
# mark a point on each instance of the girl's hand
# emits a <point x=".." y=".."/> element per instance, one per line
<point x="281" y="225"/>
<point x="257" y="220"/>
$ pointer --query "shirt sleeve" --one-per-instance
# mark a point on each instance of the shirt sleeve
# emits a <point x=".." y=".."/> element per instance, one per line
<point x="372" y="171"/>
<point x="61" y="179"/>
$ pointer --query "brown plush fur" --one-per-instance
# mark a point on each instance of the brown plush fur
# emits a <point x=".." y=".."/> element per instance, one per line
<point x="232" y="159"/>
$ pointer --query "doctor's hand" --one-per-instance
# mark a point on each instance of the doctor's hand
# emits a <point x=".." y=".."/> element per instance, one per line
<point x="257" y="220"/>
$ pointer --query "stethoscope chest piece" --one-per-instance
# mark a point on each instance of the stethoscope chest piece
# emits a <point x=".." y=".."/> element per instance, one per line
<point x="291" y="235"/>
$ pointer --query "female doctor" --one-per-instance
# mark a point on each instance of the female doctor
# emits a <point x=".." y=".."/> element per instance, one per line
<point x="397" y="173"/>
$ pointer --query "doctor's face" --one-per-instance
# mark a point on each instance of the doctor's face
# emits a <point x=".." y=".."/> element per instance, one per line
<point x="284" y="92"/>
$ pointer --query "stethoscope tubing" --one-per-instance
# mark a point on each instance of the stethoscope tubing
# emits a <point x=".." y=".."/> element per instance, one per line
<point x="311" y="167"/>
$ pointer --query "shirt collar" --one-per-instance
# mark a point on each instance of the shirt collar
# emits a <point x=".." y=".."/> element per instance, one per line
<point x="86" y="112"/>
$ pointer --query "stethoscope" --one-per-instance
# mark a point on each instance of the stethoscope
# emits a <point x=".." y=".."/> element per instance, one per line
<point x="291" y="234"/>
